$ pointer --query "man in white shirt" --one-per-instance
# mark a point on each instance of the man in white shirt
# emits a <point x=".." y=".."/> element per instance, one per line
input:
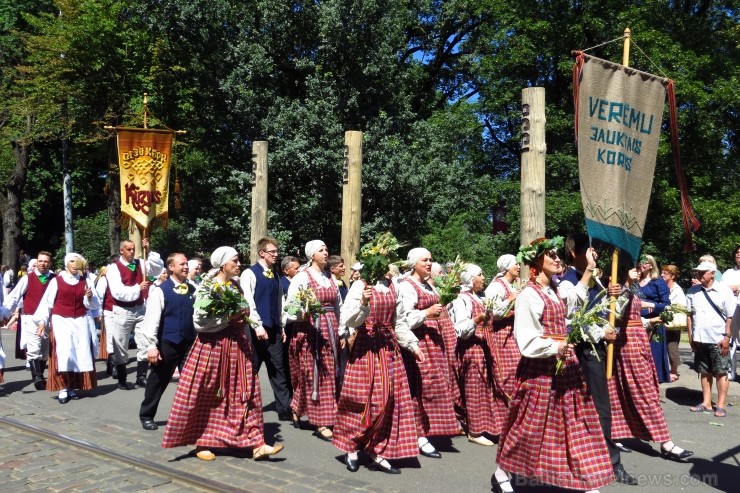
<point x="262" y="291"/>
<point x="711" y="306"/>
<point x="731" y="279"/>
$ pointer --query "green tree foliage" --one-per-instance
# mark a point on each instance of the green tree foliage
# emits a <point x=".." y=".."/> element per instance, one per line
<point x="435" y="87"/>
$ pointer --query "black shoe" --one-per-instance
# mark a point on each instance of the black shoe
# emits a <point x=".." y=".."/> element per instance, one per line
<point x="496" y="485"/>
<point x="670" y="454"/>
<point x="121" y="376"/>
<point x="149" y="424"/>
<point x="623" y="448"/>
<point x="623" y="476"/>
<point x="63" y="400"/>
<point x="109" y="366"/>
<point x="74" y="395"/>
<point x="318" y="434"/>
<point x="352" y="465"/>
<point x="123" y="386"/>
<point x="114" y="372"/>
<point x="434" y="454"/>
<point x="285" y="416"/>
<point x="140" y="382"/>
<point x="380" y="467"/>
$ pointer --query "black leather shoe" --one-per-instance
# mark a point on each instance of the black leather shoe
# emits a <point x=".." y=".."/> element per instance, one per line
<point x="352" y="465"/>
<point x="670" y="454"/>
<point x="149" y="424"/>
<point x="380" y="467"/>
<point x="140" y="382"/>
<point x="433" y="455"/>
<point x="623" y="476"/>
<point x="123" y="386"/>
<point x="623" y="448"/>
<point x="74" y="395"/>
<point x="63" y="400"/>
<point x="318" y="434"/>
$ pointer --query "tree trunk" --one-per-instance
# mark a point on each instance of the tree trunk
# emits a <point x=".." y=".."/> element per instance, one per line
<point x="13" y="216"/>
<point x="114" y="200"/>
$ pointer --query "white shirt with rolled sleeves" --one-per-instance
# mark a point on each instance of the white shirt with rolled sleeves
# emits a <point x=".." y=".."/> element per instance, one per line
<point x="153" y="316"/>
<point x="461" y="315"/>
<point x="528" y="330"/>
<point x="496" y="292"/>
<point x="707" y="326"/>
<point x="301" y="280"/>
<point x="575" y="297"/>
<point x="407" y="316"/>
<point x="354" y="313"/>
<point x="117" y="289"/>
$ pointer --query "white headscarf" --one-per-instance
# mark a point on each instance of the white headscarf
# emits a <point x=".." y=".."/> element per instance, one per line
<point x="154" y="264"/>
<point x="416" y="254"/>
<point x="221" y="255"/>
<point x="467" y="276"/>
<point x="312" y="247"/>
<point x="193" y="263"/>
<point x="72" y="256"/>
<point x="504" y="263"/>
<point x="32" y="264"/>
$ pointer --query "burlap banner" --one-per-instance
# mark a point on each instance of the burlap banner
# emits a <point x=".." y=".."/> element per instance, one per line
<point x="144" y="160"/>
<point x="619" y="112"/>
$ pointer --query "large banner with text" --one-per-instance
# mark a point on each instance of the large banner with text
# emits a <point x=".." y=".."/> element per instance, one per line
<point x="144" y="160"/>
<point x="619" y="112"/>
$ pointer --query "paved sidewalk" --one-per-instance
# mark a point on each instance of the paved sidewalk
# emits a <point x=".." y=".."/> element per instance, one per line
<point x="109" y="419"/>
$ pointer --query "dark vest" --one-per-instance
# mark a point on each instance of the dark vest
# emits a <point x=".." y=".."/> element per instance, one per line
<point x="69" y="302"/>
<point x="129" y="278"/>
<point x="266" y="297"/>
<point x="34" y="292"/>
<point x="574" y="277"/>
<point x="176" y="323"/>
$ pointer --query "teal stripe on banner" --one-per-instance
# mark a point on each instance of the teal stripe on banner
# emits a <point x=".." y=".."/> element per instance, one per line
<point x="615" y="236"/>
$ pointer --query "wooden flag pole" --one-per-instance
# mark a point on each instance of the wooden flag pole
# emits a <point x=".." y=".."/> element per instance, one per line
<point x="615" y="254"/>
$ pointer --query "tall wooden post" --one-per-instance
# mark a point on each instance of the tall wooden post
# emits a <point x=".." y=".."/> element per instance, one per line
<point x="351" y="196"/>
<point x="533" y="150"/>
<point x="258" y="229"/>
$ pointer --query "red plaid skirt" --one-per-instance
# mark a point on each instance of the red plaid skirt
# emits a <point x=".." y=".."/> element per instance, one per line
<point x="505" y="354"/>
<point x="218" y="402"/>
<point x="429" y="384"/>
<point x="553" y="433"/>
<point x="375" y="411"/>
<point x="304" y="345"/>
<point x="449" y="339"/>
<point x="475" y="362"/>
<point x="634" y="391"/>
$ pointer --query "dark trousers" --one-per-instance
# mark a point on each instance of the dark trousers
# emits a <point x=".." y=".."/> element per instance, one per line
<point x="173" y="356"/>
<point x="593" y="365"/>
<point x="271" y="353"/>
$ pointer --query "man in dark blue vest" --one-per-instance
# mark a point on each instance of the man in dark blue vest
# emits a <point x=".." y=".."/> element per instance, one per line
<point x="262" y="291"/>
<point x="579" y="286"/>
<point x="169" y="333"/>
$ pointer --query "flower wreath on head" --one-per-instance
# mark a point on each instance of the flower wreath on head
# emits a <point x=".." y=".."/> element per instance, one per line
<point x="528" y="253"/>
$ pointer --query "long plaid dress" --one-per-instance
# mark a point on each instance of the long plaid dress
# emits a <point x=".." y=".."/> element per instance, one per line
<point x="314" y="361"/>
<point x="475" y="366"/>
<point x="505" y="352"/>
<point x="634" y="391"/>
<point x="218" y="402"/>
<point x="375" y="411"/>
<point x="430" y="382"/>
<point x="553" y="433"/>
<point x="449" y="345"/>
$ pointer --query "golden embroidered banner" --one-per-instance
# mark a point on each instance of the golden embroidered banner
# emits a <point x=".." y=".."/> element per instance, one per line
<point x="619" y="112"/>
<point x="144" y="160"/>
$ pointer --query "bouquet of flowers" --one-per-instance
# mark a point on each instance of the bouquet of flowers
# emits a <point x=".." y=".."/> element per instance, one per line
<point x="377" y="255"/>
<point x="581" y="322"/>
<point x="305" y="302"/>
<point x="448" y="285"/>
<point x="221" y="300"/>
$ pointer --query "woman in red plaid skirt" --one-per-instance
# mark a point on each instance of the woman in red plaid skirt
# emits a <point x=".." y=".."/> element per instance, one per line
<point x="553" y="433"/>
<point x="502" y="295"/>
<point x="634" y="391"/>
<point x="418" y="331"/>
<point x="475" y="362"/>
<point x="314" y="346"/>
<point x="375" y="413"/>
<point x="218" y="402"/>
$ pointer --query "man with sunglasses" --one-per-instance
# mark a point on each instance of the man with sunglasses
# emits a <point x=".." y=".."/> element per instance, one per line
<point x="264" y="294"/>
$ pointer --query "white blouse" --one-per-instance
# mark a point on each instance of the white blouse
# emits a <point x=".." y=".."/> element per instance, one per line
<point x="528" y="330"/>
